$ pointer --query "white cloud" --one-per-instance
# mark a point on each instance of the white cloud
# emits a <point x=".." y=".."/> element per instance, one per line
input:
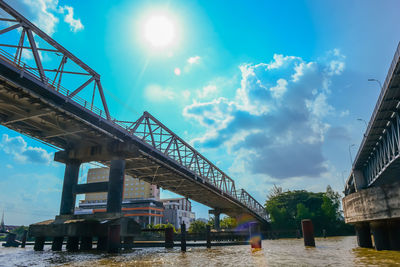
<point x="275" y="124"/>
<point x="19" y="149"/>
<point x="193" y="60"/>
<point x="207" y="91"/>
<point x="45" y="14"/>
<point x="156" y="93"/>
<point x="75" y="24"/>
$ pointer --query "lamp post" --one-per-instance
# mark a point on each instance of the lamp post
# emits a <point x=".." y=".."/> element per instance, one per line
<point x="375" y="80"/>
<point x="351" y="158"/>
<point x="366" y="126"/>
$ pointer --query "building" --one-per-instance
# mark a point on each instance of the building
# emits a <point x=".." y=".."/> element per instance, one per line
<point x="133" y="187"/>
<point x="145" y="211"/>
<point x="140" y="199"/>
<point x="178" y="211"/>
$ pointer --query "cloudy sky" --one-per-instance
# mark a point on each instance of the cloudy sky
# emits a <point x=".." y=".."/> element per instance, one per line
<point x="269" y="92"/>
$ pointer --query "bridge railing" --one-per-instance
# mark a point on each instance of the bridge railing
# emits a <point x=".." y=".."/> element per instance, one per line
<point x="147" y="128"/>
<point x="154" y="133"/>
<point x="382" y="94"/>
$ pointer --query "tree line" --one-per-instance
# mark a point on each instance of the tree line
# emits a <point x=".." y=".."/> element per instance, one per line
<point x="287" y="209"/>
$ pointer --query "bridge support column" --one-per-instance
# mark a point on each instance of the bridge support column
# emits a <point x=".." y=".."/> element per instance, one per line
<point x="216" y="213"/>
<point x="381" y="235"/>
<point x="363" y="233"/>
<point x="394" y="234"/>
<point x="70" y="181"/>
<point x="115" y="185"/>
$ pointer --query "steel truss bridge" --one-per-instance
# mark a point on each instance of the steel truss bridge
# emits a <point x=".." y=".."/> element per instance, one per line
<point x="35" y="101"/>
<point x="378" y="158"/>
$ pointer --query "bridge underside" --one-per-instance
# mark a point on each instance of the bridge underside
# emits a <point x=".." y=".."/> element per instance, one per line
<point x="52" y="118"/>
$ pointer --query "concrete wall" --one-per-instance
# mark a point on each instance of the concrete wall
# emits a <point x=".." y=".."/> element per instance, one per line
<point x="375" y="203"/>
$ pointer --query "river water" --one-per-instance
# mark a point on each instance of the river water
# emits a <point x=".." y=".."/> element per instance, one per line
<point x="334" y="251"/>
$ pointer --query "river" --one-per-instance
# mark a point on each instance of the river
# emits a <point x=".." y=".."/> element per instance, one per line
<point x="333" y="251"/>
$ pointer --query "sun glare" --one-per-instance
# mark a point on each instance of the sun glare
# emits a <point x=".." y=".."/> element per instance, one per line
<point x="159" y="31"/>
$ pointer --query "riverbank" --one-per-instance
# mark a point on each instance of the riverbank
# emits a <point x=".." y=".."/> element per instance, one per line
<point x="332" y="251"/>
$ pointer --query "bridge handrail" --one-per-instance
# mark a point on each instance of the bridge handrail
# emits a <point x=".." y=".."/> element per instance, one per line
<point x="382" y="94"/>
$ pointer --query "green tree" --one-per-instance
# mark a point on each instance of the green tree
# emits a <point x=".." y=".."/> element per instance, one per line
<point x="228" y="223"/>
<point x="197" y="226"/>
<point x="287" y="209"/>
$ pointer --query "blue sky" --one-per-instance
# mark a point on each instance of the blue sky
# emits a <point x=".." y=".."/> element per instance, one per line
<point x="269" y="91"/>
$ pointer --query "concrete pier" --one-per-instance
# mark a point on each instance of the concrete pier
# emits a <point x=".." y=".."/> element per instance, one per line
<point x="363" y="233"/>
<point x="70" y="181"/>
<point x="86" y="243"/>
<point x="394" y="234"/>
<point x="380" y="233"/>
<point x="57" y="243"/>
<point x="115" y="185"/>
<point x="114" y="238"/>
<point x="73" y="243"/>
<point x="39" y="243"/>
<point x="376" y="211"/>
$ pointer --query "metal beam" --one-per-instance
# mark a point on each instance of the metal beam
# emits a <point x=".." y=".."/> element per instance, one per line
<point x="10" y="28"/>
<point x="91" y="188"/>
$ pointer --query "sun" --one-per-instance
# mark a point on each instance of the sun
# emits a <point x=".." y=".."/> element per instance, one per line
<point x="159" y="31"/>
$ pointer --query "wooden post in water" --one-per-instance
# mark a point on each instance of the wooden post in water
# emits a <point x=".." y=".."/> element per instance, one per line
<point x="114" y="238"/>
<point x="208" y="236"/>
<point x="23" y="239"/>
<point x="183" y="237"/>
<point x="169" y="237"/>
<point x="298" y="235"/>
<point x="255" y="236"/>
<point x="308" y="233"/>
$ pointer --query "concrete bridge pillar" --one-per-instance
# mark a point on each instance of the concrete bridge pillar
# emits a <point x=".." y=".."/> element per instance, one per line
<point x="380" y="233"/>
<point x="115" y="185"/>
<point x="70" y="181"/>
<point x="363" y="232"/>
<point x="217" y="220"/>
<point x="394" y="234"/>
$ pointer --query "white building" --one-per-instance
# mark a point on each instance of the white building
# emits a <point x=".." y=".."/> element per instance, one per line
<point x="178" y="211"/>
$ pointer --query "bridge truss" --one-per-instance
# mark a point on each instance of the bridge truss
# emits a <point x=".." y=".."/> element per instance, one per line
<point x="66" y="70"/>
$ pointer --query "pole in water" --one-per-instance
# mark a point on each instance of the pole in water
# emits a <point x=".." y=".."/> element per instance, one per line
<point x="208" y="236"/>
<point x="169" y="237"/>
<point x="23" y="240"/>
<point x="255" y="236"/>
<point x="183" y="237"/>
<point x="308" y="233"/>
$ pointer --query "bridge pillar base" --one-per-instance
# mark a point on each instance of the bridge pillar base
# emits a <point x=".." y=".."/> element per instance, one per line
<point x="394" y="234"/>
<point x="57" y="243"/>
<point x="70" y="181"/>
<point x="217" y="214"/>
<point x="363" y="232"/>
<point x="86" y="243"/>
<point x="115" y="185"/>
<point x="381" y="235"/>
